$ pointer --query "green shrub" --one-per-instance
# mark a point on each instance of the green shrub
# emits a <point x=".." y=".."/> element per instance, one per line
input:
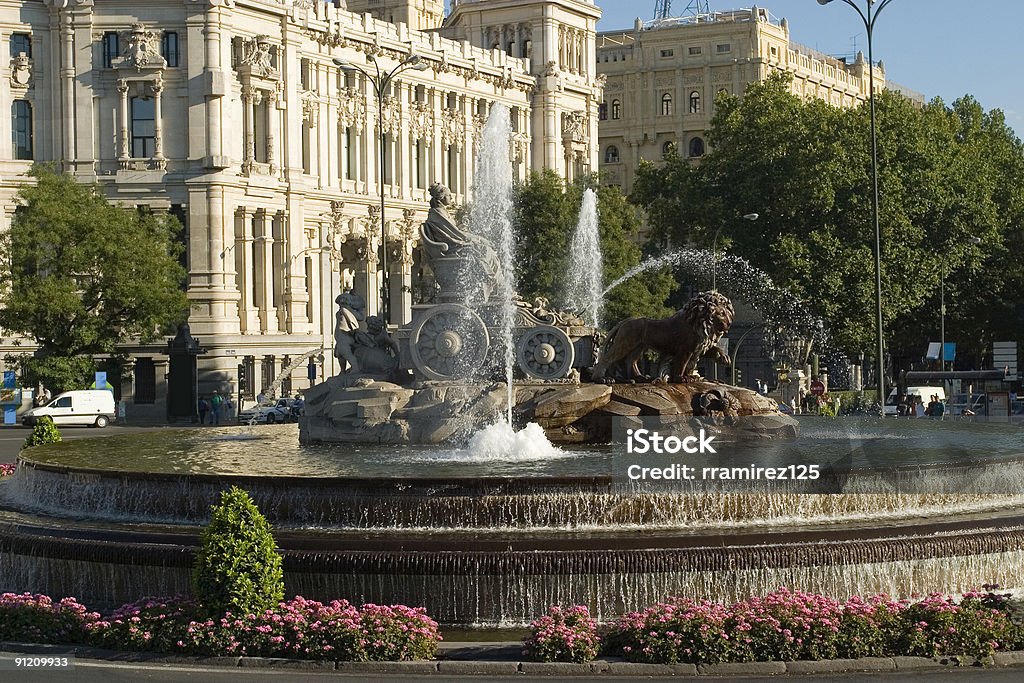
<point x="43" y="432"/>
<point x="238" y="568"/>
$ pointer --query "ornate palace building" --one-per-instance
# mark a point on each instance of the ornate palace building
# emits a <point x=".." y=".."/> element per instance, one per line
<point x="234" y="116"/>
<point x="662" y="78"/>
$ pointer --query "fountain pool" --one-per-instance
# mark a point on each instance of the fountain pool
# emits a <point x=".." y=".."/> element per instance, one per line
<point x="493" y="533"/>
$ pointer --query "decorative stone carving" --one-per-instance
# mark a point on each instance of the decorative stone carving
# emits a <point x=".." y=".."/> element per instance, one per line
<point x="519" y="145"/>
<point x="421" y="122"/>
<point x="478" y="127"/>
<point x="574" y="126"/>
<point x="351" y="108"/>
<point x="258" y="56"/>
<point x="453" y="128"/>
<point x="310" y="109"/>
<point x="21" y="71"/>
<point x="538" y="313"/>
<point x="392" y="114"/>
<point x="142" y="50"/>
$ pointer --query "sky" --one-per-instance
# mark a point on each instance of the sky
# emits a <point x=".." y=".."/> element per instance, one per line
<point x="943" y="48"/>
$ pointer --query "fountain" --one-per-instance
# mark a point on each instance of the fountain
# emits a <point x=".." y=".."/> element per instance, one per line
<point x="392" y="490"/>
<point x="586" y="273"/>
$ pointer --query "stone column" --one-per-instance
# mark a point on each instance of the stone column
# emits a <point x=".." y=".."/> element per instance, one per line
<point x="123" y="152"/>
<point x="400" y="261"/>
<point x="158" y="146"/>
<point x="273" y="118"/>
<point x="248" y="111"/>
<point x="264" y="271"/>
<point x="280" y="267"/>
<point x="245" y="265"/>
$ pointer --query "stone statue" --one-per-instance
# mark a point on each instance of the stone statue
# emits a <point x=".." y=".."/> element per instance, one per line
<point x="370" y="351"/>
<point x="693" y="332"/>
<point x="456" y="256"/>
<point x="351" y="311"/>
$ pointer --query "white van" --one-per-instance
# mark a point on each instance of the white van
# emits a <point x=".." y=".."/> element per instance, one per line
<point x="923" y="394"/>
<point x="86" y="407"/>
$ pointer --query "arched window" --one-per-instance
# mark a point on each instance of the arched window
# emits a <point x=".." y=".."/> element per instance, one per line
<point x="666" y="105"/>
<point x="696" y="147"/>
<point x="21" y="129"/>
<point x="611" y="155"/>
<point x="616" y="110"/>
<point x="694" y="102"/>
<point x="667" y="149"/>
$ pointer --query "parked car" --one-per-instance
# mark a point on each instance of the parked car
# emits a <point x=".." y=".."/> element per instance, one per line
<point x="86" y="407"/>
<point x="279" y="412"/>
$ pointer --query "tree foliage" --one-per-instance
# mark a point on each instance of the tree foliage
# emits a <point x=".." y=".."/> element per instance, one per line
<point x="85" y="277"/>
<point x="547" y="211"/>
<point x="238" y="567"/>
<point x="947" y="175"/>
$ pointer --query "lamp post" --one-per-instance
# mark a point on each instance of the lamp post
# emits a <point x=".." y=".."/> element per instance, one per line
<point x="714" y="248"/>
<point x="869" y="20"/>
<point x="942" y="304"/>
<point x="381" y="81"/>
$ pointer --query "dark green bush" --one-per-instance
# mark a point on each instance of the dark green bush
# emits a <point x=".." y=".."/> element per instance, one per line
<point x="43" y="432"/>
<point x="238" y="568"/>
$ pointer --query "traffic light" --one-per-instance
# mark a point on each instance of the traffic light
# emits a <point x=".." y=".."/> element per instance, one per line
<point x="241" y="378"/>
<point x="739" y="377"/>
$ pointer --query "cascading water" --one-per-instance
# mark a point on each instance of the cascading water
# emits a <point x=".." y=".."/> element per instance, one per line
<point x="490" y="216"/>
<point x="586" y="274"/>
<point x="736" y="278"/>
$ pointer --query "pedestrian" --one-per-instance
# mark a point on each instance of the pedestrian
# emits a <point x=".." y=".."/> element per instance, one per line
<point x="228" y="407"/>
<point x="215" y="403"/>
<point x="204" y="408"/>
<point x="903" y="407"/>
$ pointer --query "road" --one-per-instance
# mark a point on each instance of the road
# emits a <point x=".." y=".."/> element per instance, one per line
<point x="86" y="671"/>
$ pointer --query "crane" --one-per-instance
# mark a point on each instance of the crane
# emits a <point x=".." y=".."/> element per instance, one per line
<point x="694" y="8"/>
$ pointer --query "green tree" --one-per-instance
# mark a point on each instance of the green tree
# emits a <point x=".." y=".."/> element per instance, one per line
<point x="547" y="212"/>
<point x="85" y="277"/>
<point x="946" y="175"/>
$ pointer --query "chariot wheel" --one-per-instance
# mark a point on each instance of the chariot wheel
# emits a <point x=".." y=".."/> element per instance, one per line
<point x="449" y="342"/>
<point x="545" y="352"/>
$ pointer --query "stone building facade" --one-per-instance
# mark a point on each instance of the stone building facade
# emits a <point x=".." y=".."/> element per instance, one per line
<point x="662" y="78"/>
<point x="231" y="115"/>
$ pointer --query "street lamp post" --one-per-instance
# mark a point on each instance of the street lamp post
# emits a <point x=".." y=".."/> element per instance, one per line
<point x="381" y="81"/>
<point x="714" y="249"/>
<point x="869" y="20"/>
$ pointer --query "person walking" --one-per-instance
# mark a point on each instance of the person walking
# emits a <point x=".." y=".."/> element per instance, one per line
<point x="204" y="408"/>
<point x="215" y="403"/>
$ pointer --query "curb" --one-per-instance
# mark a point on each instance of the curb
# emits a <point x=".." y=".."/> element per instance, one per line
<point x="489" y="667"/>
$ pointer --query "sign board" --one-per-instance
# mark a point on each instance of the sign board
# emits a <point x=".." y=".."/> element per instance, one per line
<point x="1004" y="355"/>
<point x="10" y="416"/>
<point x="230" y="353"/>
<point x="10" y="379"/>
<point x="948" y="351"/>
<point x="101" y="382"/>
<point x="998" y="404"/>
<point x="817" y="388"/>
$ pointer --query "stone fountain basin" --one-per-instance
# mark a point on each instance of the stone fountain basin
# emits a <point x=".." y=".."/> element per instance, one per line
<point x="498" y="550"/>
<point x="351" y="410"/>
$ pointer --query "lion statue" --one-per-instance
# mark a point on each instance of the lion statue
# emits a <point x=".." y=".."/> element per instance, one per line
<point x="685" y="338"/>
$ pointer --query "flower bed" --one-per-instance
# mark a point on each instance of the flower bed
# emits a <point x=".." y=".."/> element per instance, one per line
<point x="788" y="625"/>
<point x="7" y="469"/>
<point x="298" y="628"/>
<point x="563" y="635"/>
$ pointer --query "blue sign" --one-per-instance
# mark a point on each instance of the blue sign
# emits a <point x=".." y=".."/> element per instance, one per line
<point x="10" y="416"/>
<point x="949" y="351"/>
<point x="311" y="370"/>
<point x="10" y="379"/>
<point x="101" y="382"/>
